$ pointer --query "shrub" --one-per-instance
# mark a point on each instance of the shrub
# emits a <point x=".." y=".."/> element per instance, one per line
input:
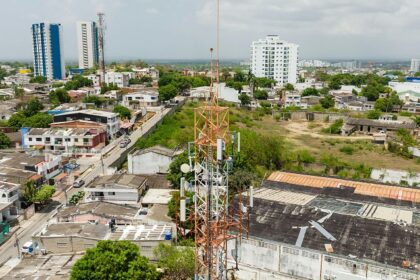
<point x="348" y="150"/>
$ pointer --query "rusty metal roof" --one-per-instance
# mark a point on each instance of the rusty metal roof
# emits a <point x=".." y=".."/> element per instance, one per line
<point x="362" y="188"/>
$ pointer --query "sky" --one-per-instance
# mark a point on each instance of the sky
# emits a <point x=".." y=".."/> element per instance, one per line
<point x="186" y="29"/>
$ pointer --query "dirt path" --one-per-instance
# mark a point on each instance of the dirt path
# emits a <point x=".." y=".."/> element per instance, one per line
<point x="301" y="128"/>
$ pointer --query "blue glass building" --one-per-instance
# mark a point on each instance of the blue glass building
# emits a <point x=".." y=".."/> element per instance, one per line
<point x="48" y="50"/>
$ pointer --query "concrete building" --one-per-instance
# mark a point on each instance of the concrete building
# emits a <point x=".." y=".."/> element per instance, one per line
<point x="96" y="79"/>
<point x="146" y="72"/>
<point x="87" y="36"/>
<point x="118" y="78"/>
<point x="100" y="212"/>
<point x="311" y="227"/>
<point x="110" y="119"/>
<point x="150" y="161"/>
<point x="276" y="59"/>
<point x="19" y="167"/>
<point x="415" y="65"/>
<point x="48" y="51"/>
<point x="69" y="140"/>
<point x="143" y="98"/>
<point x="404" y="87"/>
<point x="9" y="201"/>
<point x="292" y="98"/>
<point x="118" y="188"/>
<point x="61" y="238"/>
<point x="367" y="126"/>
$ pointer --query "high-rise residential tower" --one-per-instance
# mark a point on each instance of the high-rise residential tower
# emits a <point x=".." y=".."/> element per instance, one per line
<point x="87" y="35"/>
<point x="48" y="50"/>
<point x="415" y="65"/>
<point x="274" y="58"/>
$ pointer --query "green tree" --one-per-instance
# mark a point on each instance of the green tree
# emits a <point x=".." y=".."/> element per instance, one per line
<point x="324" y="91"/>
<point x="239" y="76"/>
<point x="245" y="99"/>
<point x="122" y="111"/>
<point x="310" y="92"/>
<point x="4" y="141"/>
<point x="38" y="80"/>
<point x="59" y="96"/>
<point x="327" y="102"/>
<point x="43" y="194"/>
<point x="77" y="82"/>
<point x="33" y="107"/>
<point x="175" y="173"/>
<point x="167" y="92"/>
<point x="373" y="114"/>
<point x="108" y="87"/>
<point x="387" y="104"/>
<point x="97" y="100"/>
<point x="237" y="86"/>
<point x="289" y="86"/>
<point x="28" y="190"/>
<point x="39" y="120"/>
<point x="265" y="83"/>
<point x="240" y="180"/>
<point x="19" y="92"/>
<point x="119" y="260"/>
<point x="178" y="263"/>
<point x="260" y="94"/>
<point x="335" y="128"/>
<point x="17" y="119"/>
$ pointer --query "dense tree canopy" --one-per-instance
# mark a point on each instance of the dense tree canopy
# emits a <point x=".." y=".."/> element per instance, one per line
<point x="117" y="260"/>
<point x="387" y="104"/>
<point x="327" y="102"/>
<point x="59" y="96"/>
<point x="373" y="114"/>
<point x="260" y="94"/>
<point x="33" y="107"/>
<point x="178" y="263"/>
<point x="167" y="92"/>
<point x="97" y="100"/>
<point x="245" y="99"/>
<point x="77" y="82"/>
<point x="4" y="141"/>
<point x="123" y="112"/>
<point x="38" y="79"/>
<point x="43" y="194"/>
<point x="310" y="91"/>
<point x="108" y="87"/>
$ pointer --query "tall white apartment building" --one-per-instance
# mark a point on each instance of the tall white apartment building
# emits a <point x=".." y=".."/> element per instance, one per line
<point x="415" y="65"/>
<point x="276" y="59"/>
<point x="87" y="36"/>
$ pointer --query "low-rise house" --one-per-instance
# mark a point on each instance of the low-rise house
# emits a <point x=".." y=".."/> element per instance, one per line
<point x="77" y="95"/>
<point x="21" y="167"/>
<point x="18" y="79"/>
<point x="146" y="72"/>
<point x="95" y="79"/>
<point x="157" y="196"/>
<point x="361" y="106"/>
<point x="77" y="237"/>
<point x="293" y="99"/>
<point x="67" y="107"/>
<point x="310" y="100"/>
<point x="118" y="188"/>
<point x="69" y="140"/>
<point x="151" y="160"/>
<point x="143" y="98"/>
<point x="100" y="212"/>
<point x="110" y="119"/>
<point x="118" y="78"/>
<point x="367" y="126"/>
<point x="9" y="201"/>
<point x="6" y="111"/>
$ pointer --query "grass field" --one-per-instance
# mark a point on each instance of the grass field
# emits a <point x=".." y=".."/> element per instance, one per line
<point x="356" y="152"/>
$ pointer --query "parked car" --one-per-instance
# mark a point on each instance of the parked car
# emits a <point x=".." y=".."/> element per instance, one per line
<point x="78" y="183"/>
<point x="28" y="248"/>
<point x="123" y="144"/>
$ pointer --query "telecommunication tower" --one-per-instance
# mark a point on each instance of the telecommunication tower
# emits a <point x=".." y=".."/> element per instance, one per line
<point x="101" y="39"/>
<point x="211" y="159"/>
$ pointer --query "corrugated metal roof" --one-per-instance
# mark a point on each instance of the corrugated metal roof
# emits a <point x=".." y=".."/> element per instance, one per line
<point x="363" y="188"/>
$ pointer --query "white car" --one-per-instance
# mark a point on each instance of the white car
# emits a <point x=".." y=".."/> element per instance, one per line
<point x="28" y="247"/>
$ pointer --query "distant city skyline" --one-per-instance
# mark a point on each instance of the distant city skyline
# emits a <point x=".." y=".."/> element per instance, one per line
<point x="185" y="29"/>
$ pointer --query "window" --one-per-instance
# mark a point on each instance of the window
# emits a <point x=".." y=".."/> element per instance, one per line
<point x="76" y="139"/>
<point x="30" y="138"/>
<point x="111" y="193"/>
<point x="38" y="139"/>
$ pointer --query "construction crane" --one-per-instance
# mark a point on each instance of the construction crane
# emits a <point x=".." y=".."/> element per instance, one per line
<point x="211" y="159"/>
<point x="101" y="39"/>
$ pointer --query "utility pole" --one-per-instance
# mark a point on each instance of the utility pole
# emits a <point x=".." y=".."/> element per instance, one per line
<point x="17" y="245"/>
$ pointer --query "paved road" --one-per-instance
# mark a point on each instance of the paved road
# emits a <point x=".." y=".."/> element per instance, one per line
<point x="31" y="226"/>
<point x="112" y="154"/>
<point x="109" y="156"/>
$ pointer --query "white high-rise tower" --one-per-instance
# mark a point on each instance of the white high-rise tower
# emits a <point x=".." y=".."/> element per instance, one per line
<point x="87" y="35"/>
<point x="276" y="59"/>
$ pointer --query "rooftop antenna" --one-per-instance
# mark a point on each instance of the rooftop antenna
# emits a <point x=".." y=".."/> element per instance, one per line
<point x="101" y="38"/>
